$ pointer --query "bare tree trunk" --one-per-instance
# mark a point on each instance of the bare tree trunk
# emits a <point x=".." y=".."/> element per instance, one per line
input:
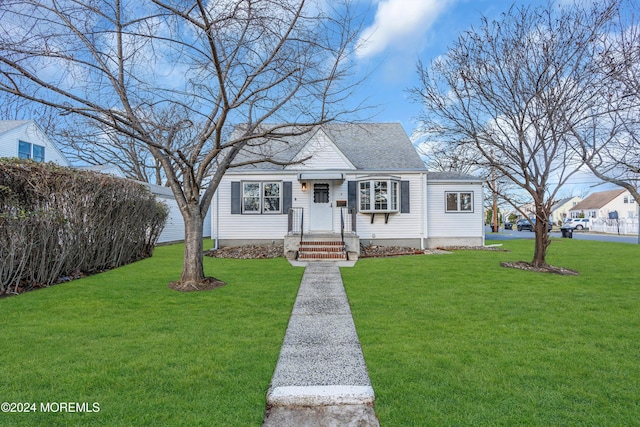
<point x="542" y="233"/>
<point x="542" y="242"/>
<point x="192" y="278"/>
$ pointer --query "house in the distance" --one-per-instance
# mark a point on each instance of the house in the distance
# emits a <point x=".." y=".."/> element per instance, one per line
<point x="560" y="209"/>
<point x="342" y="185"/>
<point x="26" y="140"/>
<point x="599" y="205"/>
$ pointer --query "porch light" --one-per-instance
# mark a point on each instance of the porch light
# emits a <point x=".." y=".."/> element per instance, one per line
<point x="304" y="186"/>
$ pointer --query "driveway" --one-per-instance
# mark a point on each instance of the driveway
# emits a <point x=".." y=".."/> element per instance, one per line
<point x="555" y="232"/>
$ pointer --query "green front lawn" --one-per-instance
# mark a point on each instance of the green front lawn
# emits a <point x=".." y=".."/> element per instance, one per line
<point x="448" y="340"/>
<point x="146" y="354"/>
<point x="458" y="340"/>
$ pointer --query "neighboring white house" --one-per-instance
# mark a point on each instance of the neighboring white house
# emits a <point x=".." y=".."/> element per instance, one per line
<point x="560" y="209"/>
<point x="599" y="205"/>
<point x="363" y="181"/>
<point x="174" y="228"/>
<point x="26" y="140"/>
<point x="108" y="169"/>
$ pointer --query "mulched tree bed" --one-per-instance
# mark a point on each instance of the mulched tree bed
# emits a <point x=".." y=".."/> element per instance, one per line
<point x="375" y="251"/>
<point x="248" y="252"/>
<point x="523" y="265"/>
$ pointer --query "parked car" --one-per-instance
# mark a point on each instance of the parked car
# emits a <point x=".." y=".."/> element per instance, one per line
<point x="508" y="226"/>
<point x="577" y="223"/>
<point x="525" y="224"/>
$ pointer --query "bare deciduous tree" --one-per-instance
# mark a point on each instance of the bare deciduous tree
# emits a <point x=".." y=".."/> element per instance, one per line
<point x="176" y="77"/>
<point x="611" y="149"/>
<point x="516" y="89"/>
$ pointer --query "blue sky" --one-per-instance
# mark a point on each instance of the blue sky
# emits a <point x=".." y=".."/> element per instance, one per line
<point x="398" y="33"/>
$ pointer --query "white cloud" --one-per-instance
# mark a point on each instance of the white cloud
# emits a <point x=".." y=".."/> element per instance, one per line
<point x="399" y="20"/>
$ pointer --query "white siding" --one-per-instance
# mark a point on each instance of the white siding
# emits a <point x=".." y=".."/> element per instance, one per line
<point x="453" y="224"/>
<point x="324" y="155"/>
<point x="400" y="225"/>
<point x="625" y="210"/>
<point x="274" y="226"/>
<point x="174" y="228"/>
<point x="250" y="226"/>
<point x="30" y="132"/>
<point x="8" y="145"/>
<point x="206" y="226"/>
<point x="427" y="217"/>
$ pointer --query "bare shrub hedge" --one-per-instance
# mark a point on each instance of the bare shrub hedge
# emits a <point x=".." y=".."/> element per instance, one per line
<point x="57" y="222"/>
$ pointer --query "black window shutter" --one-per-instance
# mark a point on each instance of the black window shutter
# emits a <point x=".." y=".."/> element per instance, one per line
<point x="235" y="197"/>
<point x="287" y="197"/>
<point x="404" y="197"/>
<point x="352" y="195"/>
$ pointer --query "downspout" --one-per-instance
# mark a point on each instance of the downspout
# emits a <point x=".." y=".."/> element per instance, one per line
<point x="423" y="207"/>
<point x="217" y="219"/>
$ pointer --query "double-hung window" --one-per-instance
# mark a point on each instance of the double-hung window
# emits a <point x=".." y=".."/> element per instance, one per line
<point x="271" y="200"/>
<point x="27" y="150"/>
<point x="261" y="197"/>
<point x="378" y="195"/>
<point x="459" y="201"/>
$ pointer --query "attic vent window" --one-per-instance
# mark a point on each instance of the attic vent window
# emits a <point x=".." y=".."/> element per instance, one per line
<point x="378" y="196"/>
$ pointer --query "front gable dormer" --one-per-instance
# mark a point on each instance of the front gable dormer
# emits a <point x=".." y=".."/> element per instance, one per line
<point x="322" y="154"/>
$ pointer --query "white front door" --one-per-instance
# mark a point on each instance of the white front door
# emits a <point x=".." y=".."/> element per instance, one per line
<point x="321" y="207"/>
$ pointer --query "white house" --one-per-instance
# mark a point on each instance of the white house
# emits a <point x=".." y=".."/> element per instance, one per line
<point x="349" y="184"/>
<point x="599" y="205"/>
<point x="173" y="230"/>
<point x="26" y="140"/>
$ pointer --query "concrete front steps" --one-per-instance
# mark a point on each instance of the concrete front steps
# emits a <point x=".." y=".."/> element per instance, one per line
<point x="322" y="250"/>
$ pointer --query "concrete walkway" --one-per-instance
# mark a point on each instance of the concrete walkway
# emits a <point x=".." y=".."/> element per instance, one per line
<point x="321" y="378"/>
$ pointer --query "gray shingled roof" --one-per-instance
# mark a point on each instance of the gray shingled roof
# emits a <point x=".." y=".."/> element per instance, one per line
<point x="7" y="125"/>
<point x="452" y="176"/>
<point x="368" y="146"/>
<point x="598" y="200"/>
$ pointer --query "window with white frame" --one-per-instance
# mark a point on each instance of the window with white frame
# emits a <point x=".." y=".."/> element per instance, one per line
<point x="271" y="197"/>
<point x="27" y="150"/>
<point x="261" y="197"/>
<point x="378" y="195"/>
<point x="459" y="201"/>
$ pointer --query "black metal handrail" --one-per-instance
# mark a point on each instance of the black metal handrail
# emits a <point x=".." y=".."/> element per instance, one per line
<point x="342" y="225"/>
<point x="301" y="224"/>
